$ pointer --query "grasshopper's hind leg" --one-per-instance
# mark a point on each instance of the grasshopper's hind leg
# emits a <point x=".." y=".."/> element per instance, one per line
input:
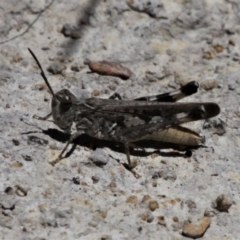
<point x="126" y="145"/>
<point x="130" y="165"/>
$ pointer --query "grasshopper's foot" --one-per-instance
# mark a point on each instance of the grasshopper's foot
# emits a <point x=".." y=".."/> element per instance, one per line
<point x="37" y="117"/>
<point x="132" y="164"/>
<point x="53" y="163"/>
<point x="61" y="155"/>
<point x="130" y="167"/>
<point x="135" y="174"/>
<point x="42" y="118"/>
<point x="188" y="153"/>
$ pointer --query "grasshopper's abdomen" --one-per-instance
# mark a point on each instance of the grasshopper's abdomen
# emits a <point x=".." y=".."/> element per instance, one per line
<point x="177" y="135"/>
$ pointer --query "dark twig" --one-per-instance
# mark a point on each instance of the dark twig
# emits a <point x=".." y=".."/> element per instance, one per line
<point x="34" y="21"/>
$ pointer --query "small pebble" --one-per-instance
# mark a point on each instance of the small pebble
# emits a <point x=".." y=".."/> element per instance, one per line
<point x="95" y="93"/>
<point x="230" y="31"/>
<point x="6" y="155"/>
<point x="75" y="68"/>
<point x="154" y="184"/>
<point x="56" y="68"/>
<point x="27" y="158"/>
<point x="99" y="157"/>
<point x="9" y="190"/>
<point x="16" y="164"/>
<point x="196" y="230"/>
<point x="16" y="142"/>
<point x="209" y="213"/>
<point x="153" y="205"/>
<point x="208" y="84"/>
<point x="7" y="105"/>
<point x="95" y="179"/>
<point x="20" y="191"/>
<point x="167" y="174"/>
<point x="24" y="63"/>
<point x="161" y="221"/>
<point x="70" y="31"/>
<point x="146" y="199"/>
<point x="40" y="87"/>
<point x="106" y="237"/>
<point x="126" y="213"/>
<point x="66" y="30"/>
<point x="155" y="175"/>
<point x="223" y="203"/>
<point x="113" y="185"/>
<point x="42" y="208"/>
<point x="45" y="48"/>
<point x="76" y="180"/>
<point x="191" y="205"/>
<point x="207" y="55"/>
<point x="175" y="219"/>
<point x="20" y="86"/>
<point x="147" y="216"/>
<point x="60" y="53"/>
<point x="132" y="199"/>
<point x="6" y="222"/>
<point x="231" y="42"/>
<point x="16" y="58"/>
<point x="218" y="48"/>
<point x="94" y="222"/>
<point x="102" y="214"/>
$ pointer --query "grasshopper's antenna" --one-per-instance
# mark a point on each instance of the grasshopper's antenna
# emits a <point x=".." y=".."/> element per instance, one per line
<point x="42" y="72"/>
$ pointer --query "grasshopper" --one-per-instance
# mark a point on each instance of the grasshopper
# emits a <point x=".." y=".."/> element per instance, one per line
<point x="128" y="121"/>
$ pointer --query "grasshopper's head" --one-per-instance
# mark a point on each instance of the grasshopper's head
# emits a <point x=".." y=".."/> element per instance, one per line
<point x="64" y="96"/>
<point x="63" y="110"/>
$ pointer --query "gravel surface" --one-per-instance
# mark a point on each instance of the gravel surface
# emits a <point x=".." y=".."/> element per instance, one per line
<point x="89" y="194"/>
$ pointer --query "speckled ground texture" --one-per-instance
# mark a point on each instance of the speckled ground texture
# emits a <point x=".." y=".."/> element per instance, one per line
<point x="89" y="194"/>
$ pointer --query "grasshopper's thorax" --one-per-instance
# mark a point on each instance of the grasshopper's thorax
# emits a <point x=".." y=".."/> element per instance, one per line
<point x="63" y="111"/>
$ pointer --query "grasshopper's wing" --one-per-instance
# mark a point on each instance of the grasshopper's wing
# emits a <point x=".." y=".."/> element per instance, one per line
<point x="178" y="134"/>
<point x="128" y="121"/>
<point x="186" y="90"/>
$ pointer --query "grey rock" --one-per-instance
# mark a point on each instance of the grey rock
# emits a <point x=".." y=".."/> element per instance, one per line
<point x="170" y="43"/>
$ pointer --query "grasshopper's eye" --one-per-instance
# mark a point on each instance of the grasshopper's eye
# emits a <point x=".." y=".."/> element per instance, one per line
<point x="66" y="98"/>
<point x="67" y="95"/>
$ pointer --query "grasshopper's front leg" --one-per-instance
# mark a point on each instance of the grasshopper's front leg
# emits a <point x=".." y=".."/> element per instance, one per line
<point x="116" y="95"/>
<point x="60" y="156"/>
<point x="42" y="118"/>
